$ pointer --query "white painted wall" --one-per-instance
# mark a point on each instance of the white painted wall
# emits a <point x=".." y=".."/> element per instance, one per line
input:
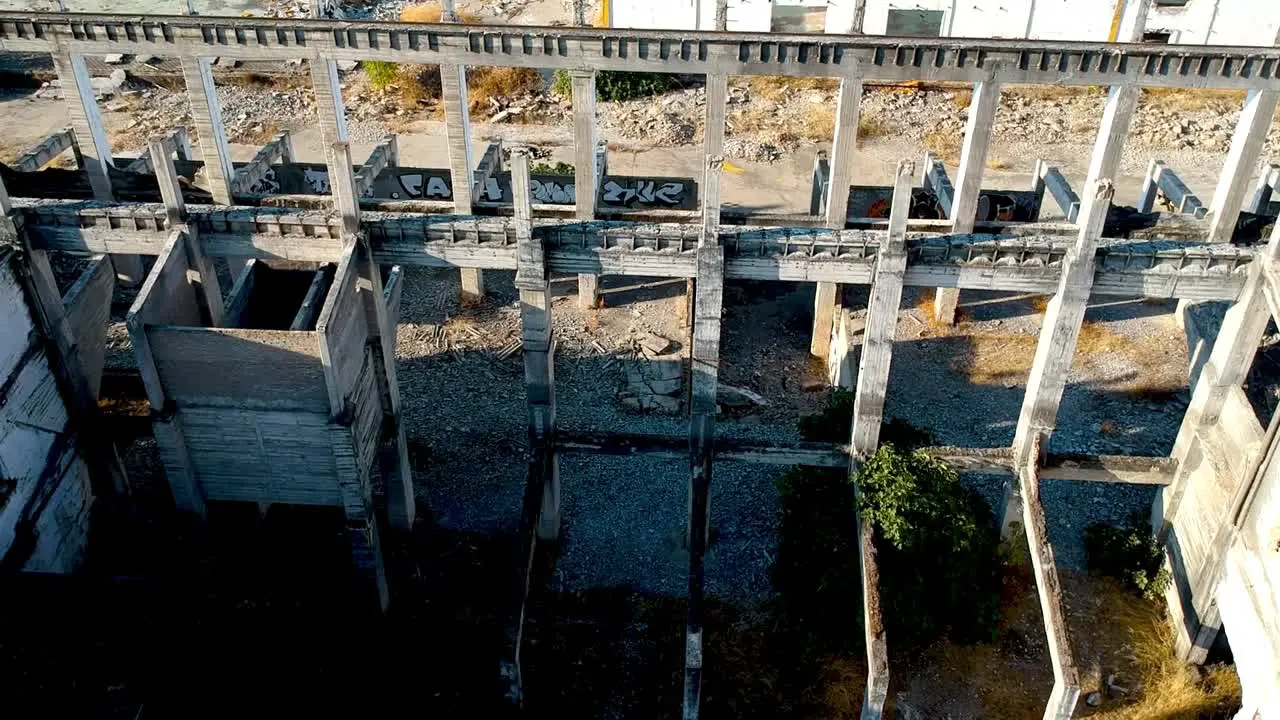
<point x="1216" y="22"/>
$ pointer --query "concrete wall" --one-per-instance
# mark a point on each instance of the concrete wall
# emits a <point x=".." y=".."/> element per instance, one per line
<point x="46" y="484"/>
<point x="1199" y="22"/>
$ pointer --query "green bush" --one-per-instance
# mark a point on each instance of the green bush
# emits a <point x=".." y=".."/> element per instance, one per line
<point x="542" y="168"/>
<point x="1129" y="553"/>
<point x="938" y="546"/>
<point x="614" y="85"/>
<point x="936" y="539"/>
<point x="381" y="74"/>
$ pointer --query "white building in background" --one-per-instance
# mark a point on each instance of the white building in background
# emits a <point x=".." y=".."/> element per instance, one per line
<point x="1185" y="22"/>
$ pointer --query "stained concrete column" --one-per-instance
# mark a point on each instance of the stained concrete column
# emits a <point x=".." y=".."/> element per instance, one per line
<point x="1122" y="101"/>
<point x="206" y="111"/>
<point x="585" y="181"/>
<point x="1057" y="344"/>
<point x="1242" y="162"/>
<point x="843" y="150"/>
<point x="868" y="415"/>
<point x="533" y="282"/>
<point x="94" y="147"/>
<point x="973" y="160"/>
<point x="457" y="124"/>
<point x="704" y="374"/>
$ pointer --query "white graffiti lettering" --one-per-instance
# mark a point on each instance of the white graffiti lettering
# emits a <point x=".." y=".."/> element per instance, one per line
<point x="412" y="184"/>
<point x="645" y="191"/>
<point x="318" y="180"/>
<point x="267" y="185"/>
<point x="552" y="192"/>
<point x="437" y="188"/>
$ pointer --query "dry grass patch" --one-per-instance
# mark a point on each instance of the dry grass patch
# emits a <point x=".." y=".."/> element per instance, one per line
<point x="1097" y="339"/>
<point x="997" y="359"/>
<point x="1051" y="92"/>
<point x="430" y="13"/>
<point x="486" y="84"/>
<point x="780" y="88"/>
<point x="870" y="127"/>
<point x="962" y="99"/>
<point x="996" y="162"/>
<point x="818" y="123"/>
<point x="1160" y="686"/>
<point x="946" y="145"/>
<point x="1177" y="100"/>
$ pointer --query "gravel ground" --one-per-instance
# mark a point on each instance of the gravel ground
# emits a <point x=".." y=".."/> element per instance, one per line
<point x="624" y="518"/>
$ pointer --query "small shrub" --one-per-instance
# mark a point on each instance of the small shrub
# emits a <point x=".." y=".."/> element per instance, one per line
<point x="1130" y="554"/>
<point x="484" y="83"/>
<point x="560" y="168"/>
<point x="939" y="549"/>
<point x="562" y="85"/>
<point x="381" y="74"/>
<point x="616" y="85"/>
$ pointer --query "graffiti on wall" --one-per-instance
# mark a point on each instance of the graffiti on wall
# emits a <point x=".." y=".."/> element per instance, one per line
<point x="436" y="184"/>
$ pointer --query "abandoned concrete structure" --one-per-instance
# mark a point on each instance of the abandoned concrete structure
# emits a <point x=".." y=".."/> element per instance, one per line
<point x="1180" y="22"/>
<point x="305" y="338"/>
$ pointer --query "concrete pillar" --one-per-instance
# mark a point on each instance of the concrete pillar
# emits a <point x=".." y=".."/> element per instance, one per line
<point x="457" y="125"/>
<point x="206" y="111"/>
<point x="585" y="180"/>
<point x="1267" y="181"/>
<point x="1057" y="344"/>
<point x="1116" y="119"/>
<point x="825" y="297"/>
<point x="973" y="160"/>
<point x="94" y="154"/>
<point x="1242" y="162"/>
<point x="533" y="282"/>
<point x="868" y="414"/>
<point x="882" y="320"/>
<point x="844" y="147"/>
<point x="713" y="149"/>
<point x="722" y="15"/>
<point x="1150" y="186"/>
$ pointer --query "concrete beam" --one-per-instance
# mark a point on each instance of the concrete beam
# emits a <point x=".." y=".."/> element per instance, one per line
<point x="1227" y="367"/>
<point x="249" y="175"/>
<point x="47" y="149"/>
<point x="1057" y="344"/>
<point x="1242" y="162"/>
<point x="1267" y="181"/>
<point x="384" y="155"/>
<point x="1052" y="180"/>
<point x="973" y="161"/>
<point x="1066" y="677"/>
<point x="679" y="52"/>
<point x="457" y="124"/>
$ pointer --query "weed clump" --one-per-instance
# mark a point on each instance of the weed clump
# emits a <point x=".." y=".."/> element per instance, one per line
<point x="1129" y="553"/>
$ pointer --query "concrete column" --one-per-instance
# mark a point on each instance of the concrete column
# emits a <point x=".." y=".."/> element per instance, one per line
<point x="1242" y="162"/>
<point x="457" y="124"/>
<point x="868" y="414"/>
<point x="825" y="297"/>
<point x="713" y="149"/>
<point x="206" y="111"/>
<point x="973" y="160"/>
<point x="1150" y="186"/>
<point x="722" y="15"/>
<point x="1116" y="120"/>
<point x="882" y="320"/>
<point x="585" y="180"/>
<point x="1267" y="181"/>
<point x="94" y="153"/>
<point x="533" y="282"/>
<point x="844" y="147"/>
<point x="1057" y="343"/>
<point x="704" y="373"/>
